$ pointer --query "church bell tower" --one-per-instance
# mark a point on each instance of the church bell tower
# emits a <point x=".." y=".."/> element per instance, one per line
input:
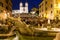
<point x="26" y="7"/>
<point x="21" y="7"/>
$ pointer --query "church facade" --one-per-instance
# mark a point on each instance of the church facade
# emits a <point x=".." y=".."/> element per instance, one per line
<point x="22" y="9"/>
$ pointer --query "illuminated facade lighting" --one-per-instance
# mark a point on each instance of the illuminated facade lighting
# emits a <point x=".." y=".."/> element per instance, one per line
<point x="49" y="7"/>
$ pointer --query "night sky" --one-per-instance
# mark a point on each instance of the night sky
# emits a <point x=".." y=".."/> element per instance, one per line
<point x="32" y="3"/>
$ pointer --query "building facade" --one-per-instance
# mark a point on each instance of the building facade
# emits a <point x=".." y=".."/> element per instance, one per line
<point x="6" y="5"/>
<point x="5" y="8"/>
<point x="49" y="8"/>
